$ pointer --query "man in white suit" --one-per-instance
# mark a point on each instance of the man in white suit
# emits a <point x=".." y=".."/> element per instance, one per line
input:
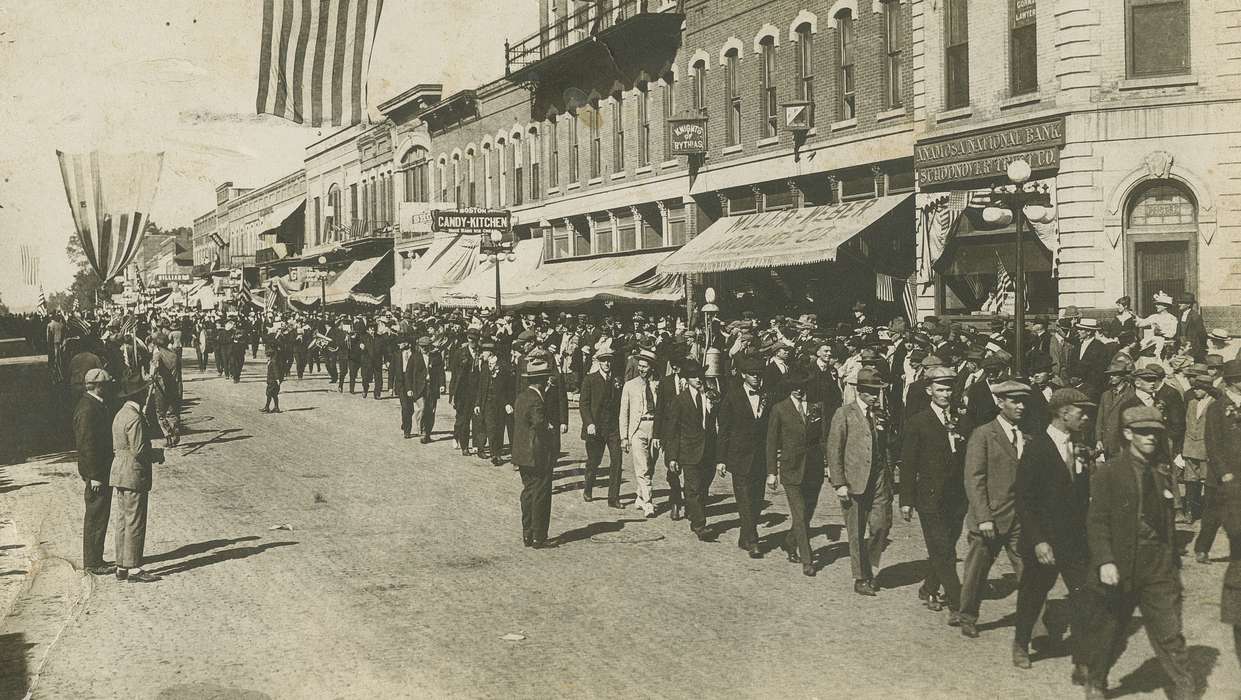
<point x="637" y="419"/>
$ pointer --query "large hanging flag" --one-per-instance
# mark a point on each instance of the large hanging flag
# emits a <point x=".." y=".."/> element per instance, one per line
<point x="110" y="196"/>
<point x="314" y="59"/>
<point x="30" y="267"/>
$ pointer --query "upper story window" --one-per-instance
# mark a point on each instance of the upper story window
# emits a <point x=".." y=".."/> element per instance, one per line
<point x="771" y="109"/>
<point x="700" y="86"/>
<point x="732" y="97"/>
<point x="805" y="66"/>
<point x="471" y="197"/>
<point x="531" y="156"/>
<point x="596" y="140"/>
<point x="553" y="151"/>
<point x="956" y="54"/>
<point x="517" y="184"/>
<point x="1156" y="37"/>
<point x="670" y="106"/>
<point x="1023" y="47"/>
<point x="456" y="180"/>
<point x="441" y="172"/>
<point x="575" y="155"/>
<point x="501" y="183"/>
<point x="618" y="132"/>
<point x="846" y="86"/>
<point x="644" y="125"/>
<point x="892" y="52"/>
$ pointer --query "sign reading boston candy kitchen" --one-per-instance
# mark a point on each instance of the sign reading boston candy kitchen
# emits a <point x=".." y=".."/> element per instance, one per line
<point x="985" y="155"/>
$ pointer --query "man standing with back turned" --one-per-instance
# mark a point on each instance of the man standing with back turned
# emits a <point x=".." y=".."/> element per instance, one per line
<point x="92" y="430"/>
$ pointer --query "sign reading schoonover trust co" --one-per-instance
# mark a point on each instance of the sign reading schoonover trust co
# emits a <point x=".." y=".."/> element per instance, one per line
<point x="985" y="155"/>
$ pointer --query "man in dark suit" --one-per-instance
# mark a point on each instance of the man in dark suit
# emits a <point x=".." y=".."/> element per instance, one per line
<point x="665" y="398"/>
<point x="1042" y="386"/>
<point x="824" y="386"/>
<point x="599" y="404"/>
<point x="857" y="465"/>
<point x="419" y="382"/>
<point x="777" y="369"/>
<point x="743" y="416"/>
<point x="690" y="443"/>
<point x="1150" y="390"/>
<point x="991" y="458"/>
<point x="795" y="442"/>
<point x="1088" y="361"/>
<point x="932" y="480"/>
<point x="1053" y="496"/>
<point x="92" y="432"/>
<point x="1191" y="329"/>
<point x="463" y="391"/>
<point x="980" y="406"/>
<point x="1134" y="555"/>
<point x="533" y="455"/>
<point x="495" y="404"/>
<point x="1223" y="443"/>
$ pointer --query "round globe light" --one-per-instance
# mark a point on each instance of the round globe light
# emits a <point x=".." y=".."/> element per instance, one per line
<point x="496" y="236"/>
<point x="511" y="257"/>
<point x="995" y="216"/>
<point x="709" y="295"/>
<point x="322" y="259"/>
<point x="491" y="259"/>
<point x="1036" y="213"/>
<point x="1018" y="172"/>
<point x="1049" y="215"/>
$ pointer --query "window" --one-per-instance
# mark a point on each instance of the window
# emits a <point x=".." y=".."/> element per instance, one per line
<point x="975" y="263"/>
<point x="574" y="150"/>
<point x="532" y="156"/>
<point x="618" y="133"/>
<point x="596" y="140"/>
<point x="956" y="54"/>
<point x="1157" y="37"/>
<point x="771" y="109"/>
<point x="581" y="235"/>
<point x="675" y="225"/>
<point x="859" y="185"/>
<point x="845" y="80"/>
<point x="353" y="200"/>
<point x="1161" y="242"/>
<point x="892" y="51"/>
<point x="549" y="247"/>
<point x="502" y="170"/>
<point x="644" y="126"/>
<point x="472" y="187"/>
<point x="318" y="221"/>
<point x="521" y="155"/>
<point x="805" y="66"/>
<point x="700" y="86"/>
<point x="415" y="176"/>
<point x="441" y="171"/>
<point x="732" y="98"/>
<point x="1022" y="47"/>
<point x="651" y="236"/>
<point x="561" y="241"/>
<point x="456" y="180"/>
<point x="365" y="202"/>
<point x="669" y="101"/>
<point x="602" y="234"/>
<point x="553" y="152"/>
<point x="627" y="232"/>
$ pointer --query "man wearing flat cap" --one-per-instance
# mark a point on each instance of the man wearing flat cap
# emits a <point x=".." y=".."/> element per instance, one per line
<point x="599" y="405"/>
<point x="1134" y="559"/>
<point x="857" y="466"/>
<point x="933" y="482"/>
<point x="1053" y="495"/>
<point x="1150" y="390"/>
<point x="1119" y="391"/>
<point x="743" y="416"/>
<point x="991" y="458"/>
<point x="92" y="432"/>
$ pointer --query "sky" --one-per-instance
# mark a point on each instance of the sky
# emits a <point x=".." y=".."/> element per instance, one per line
<point x="180" y="76"/>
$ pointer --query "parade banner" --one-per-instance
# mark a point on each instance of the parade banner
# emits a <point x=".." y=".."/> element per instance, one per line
<point x="110" y="197"/>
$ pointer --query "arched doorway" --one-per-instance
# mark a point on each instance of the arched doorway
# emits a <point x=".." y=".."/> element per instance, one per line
<point x="1161" y="243"/>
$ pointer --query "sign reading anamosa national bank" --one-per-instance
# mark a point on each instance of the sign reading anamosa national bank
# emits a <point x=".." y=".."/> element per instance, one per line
<point x="984" y="155"/>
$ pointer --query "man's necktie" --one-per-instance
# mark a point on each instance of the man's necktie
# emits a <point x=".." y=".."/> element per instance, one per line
<point x="650" y="398"/>
<point x="1015" y="445"/>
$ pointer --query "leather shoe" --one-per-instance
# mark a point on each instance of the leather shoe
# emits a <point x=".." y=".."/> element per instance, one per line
<point x="586" y="496"/>
<point x="426" y="439"/>
<point x="102" y="570"/>
<point x="954" y="618"/>
<point x="546" y="544"/>
<point x="1081" y="674"/>
<point x="969" y="629"/>
<point x="408" y="436"/>
<point x="1021" y="656"/>
<point x="1094" y="692"/>
<point x="704" y="535"/>
<point x="141" y="577"/>
<point x="527" y="541"/>
<point x="793" y="556"/>
<point x="934" y="603"/>
<point x="755" y="552"/>
<point x="863" y="588"/>
<point x="615" y="503"/>
<point x="677" y="513"/>
<point x="808" y="570"/>
<point x="1202" y="557"/>
<point x="465" y="452"/>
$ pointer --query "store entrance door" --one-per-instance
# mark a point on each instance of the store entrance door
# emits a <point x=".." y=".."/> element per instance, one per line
<point x="1164" y="266"/>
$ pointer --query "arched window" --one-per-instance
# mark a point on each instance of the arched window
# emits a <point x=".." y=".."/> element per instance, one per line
<point x="414" y="175"/>
<point x="489" y="175"/>
<point x="805" y="66"/>
<point x="732" y="97"/>
<point x="644" y="125"/>
<point x="845" y="82"/>
<point x="517" y="157"/>
<point x="670" y="105"/>
<point x="699" y="79"/>
<point x="1161" y="242"/>
<point x="331" y="221"/>
<point x="502" y="167"/>
<point x="456" y="179"/>
<point x="471" y="189"/>
<point x="771" y="109"/>
<point x="533" y="157"/>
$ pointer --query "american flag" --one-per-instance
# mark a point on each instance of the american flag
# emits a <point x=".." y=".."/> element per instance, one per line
<point x="42" y="301"/>
<point x="30" y="267"/>
<point x="910" y="297"/>
<point x="314" y="59"/>
<point x="1003" y="287"/>
<point x="110" y="196"/>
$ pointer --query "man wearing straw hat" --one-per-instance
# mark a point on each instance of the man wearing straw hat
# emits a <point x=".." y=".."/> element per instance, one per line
<point x="637" y="421"/>
<point x="1089" y="360"/>
<point x="130" y="479"/>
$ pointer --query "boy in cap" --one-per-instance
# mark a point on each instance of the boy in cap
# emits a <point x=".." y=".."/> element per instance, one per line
<point x="274" y="372"/>
<point x="1134" y="557"/>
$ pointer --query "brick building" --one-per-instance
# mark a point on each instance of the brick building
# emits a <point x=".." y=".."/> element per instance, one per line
<point x="1129" y="112"/>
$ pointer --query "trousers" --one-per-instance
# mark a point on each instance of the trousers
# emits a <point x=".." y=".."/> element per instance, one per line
<point x="697" y="479"/>
<point x="595" y="445"/>
<point x="95" y="524"/>
<point x="129" y="529"/>
<point x="536" y="501"/>
<point x="462" y="422"/>
<point x="1037" y="580"/>
<point x="1209" y="527"/>
<point x="748" y="492"/>
<point x="644" y="456"/>
<point x="803" y="500"/>
<point x="940" y="530"/>
<point x="424" y="411"/>
<point x="869" y="511"/>
<point x="978" y="561"/>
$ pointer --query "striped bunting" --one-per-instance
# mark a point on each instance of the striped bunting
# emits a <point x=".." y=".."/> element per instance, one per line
<point x="314" y="58"/>
<point x="110" y="196"/>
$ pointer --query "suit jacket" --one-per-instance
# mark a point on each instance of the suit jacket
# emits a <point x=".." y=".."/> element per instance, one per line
<point x="932" y="474"/>
<point x="990" y="477"/>
<point x="532" y="435"/>
<point x="1090" y="367"/>
<point x="92" y="431"/>
<point x="773" y="382"/>
<point x="795" y="444"/>
<point x="1223" y="442"/>
<point x="824" y="388"/>
<point x="980" y="406"/>
<point x="687" y="440"/>
<point x="495" y="390"/>
<point x="1038" y="413"/>
<point x="1053" y="500"/>
<point x="1194" y="331"/>
<point x="633" y="406"/>
<point x="1107" y="417"/>
<point x="599" y="404"/>
<point x="742" y="442"/>
<point x="131" y="450"/>
<point x="1112" y="524"/>
<point x="665" y="400"/>
<point x="420" y="376"/>
<point x="465" y="373"/>
<point x="851" y="458"/>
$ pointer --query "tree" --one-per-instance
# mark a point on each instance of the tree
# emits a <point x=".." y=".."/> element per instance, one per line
<point x="4" y="309"/>
<point x="86" y="286"/>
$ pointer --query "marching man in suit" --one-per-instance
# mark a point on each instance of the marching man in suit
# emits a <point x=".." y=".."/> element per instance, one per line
<point x="1053" y="497"/>
<point x="665" y="399"/>
<point x="795" y="441"/>
<point x="991" y="459"/>
<point x="637" y="421"/>
<point x="599" y="404"/>
<point x="533" y="433"/>
<point x="690" y="443"/>
<point x="130" y="478"/>
<point x="743" y="416"/>
<point x="419" y="383"/>
<point x="1134" y="556"/>
<point x="858" y="468"/>
<point x="933" y="481"/>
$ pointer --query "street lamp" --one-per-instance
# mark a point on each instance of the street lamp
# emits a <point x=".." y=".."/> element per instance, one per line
<point x="322" y="284"/>
<point x="497" y="238"/>
<point x="1018" y="201"/>
<point x="712" y="358"/>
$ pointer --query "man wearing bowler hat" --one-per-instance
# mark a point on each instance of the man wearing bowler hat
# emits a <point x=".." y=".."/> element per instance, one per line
<point x="1134" y="560"/>
<point x="130" y="478"/>
<point x="991" y="458"/>
<point x="743" y="415"/>
<point x="857" y="466"/>
<point x="533" y="453"/>
<point x="92" y="431"/>
<point x="599" y="405"/>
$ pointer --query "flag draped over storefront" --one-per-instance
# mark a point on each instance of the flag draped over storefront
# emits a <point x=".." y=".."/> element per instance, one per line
<point x="314" y="59"/>
<point x="110" y="197"/>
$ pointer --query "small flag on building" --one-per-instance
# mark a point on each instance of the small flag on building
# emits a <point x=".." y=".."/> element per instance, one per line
<point x="314" y="59"/>
<point x="42" y="301"/>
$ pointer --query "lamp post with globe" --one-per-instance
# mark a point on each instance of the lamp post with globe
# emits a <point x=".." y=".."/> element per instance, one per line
<point x="1018" y="201"/>
<point x="495" y="256"/>
<point x="322" y="283"/>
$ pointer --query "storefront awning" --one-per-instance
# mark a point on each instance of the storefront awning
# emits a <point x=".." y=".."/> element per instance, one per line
<point x="439" y="270"/>
<point x="479" y="289"/>
<point x="281" y="213"/>
<point x="621" y="277"/>
<point x="780" y="238"/>
<point x="343" y="288"/>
